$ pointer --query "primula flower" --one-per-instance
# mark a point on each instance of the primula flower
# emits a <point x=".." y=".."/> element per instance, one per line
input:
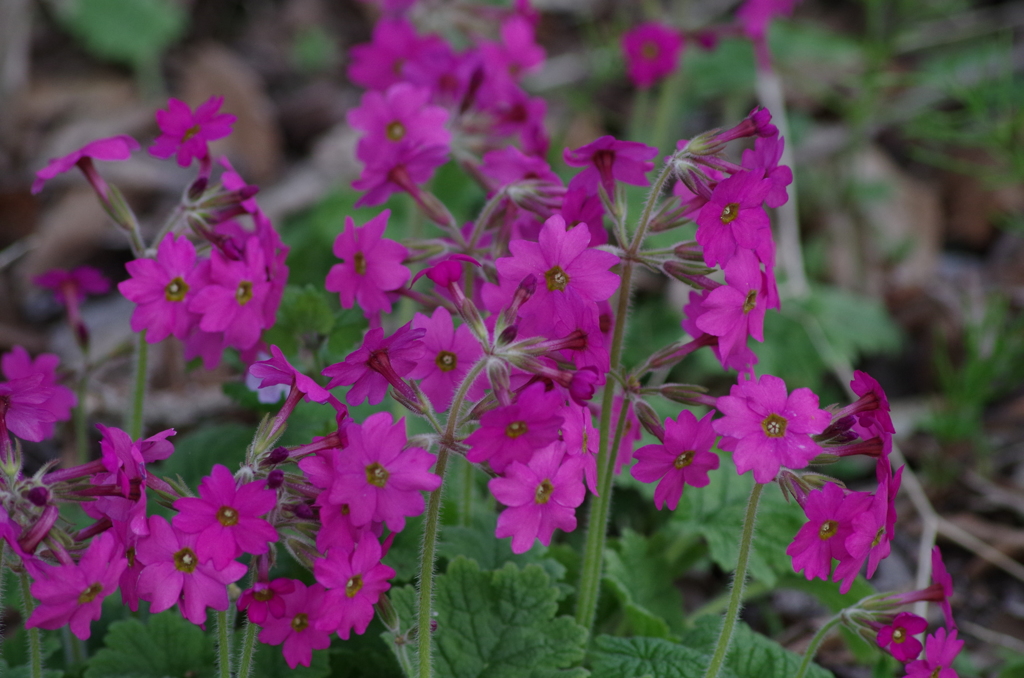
<point x="109" y="149"/>
<point x="174" y="573"/>
<point x="378" y="362"/>
<point x="734" y="218"/>
<point x="73" y="286"/>
<point x="652" y="52"/>
<point x="185" y="134"/>
<point x="382" y="62"/>
<point x="898" y="637"/>
<point x="399" y="114"/>
<point x="684" y="459"/>
<point x="941" y="576"/>
<point x="18" y="364"/>
<point x="377" y="478"/>
<point x="830" y="513"/>
<point x="73" y="594"/>
<point x="608" y="160"/>
<point x="297" y="627"/>
<point x="765" y="156"/>
<point x="515" y="432"/>
<point x="371" y="265"/>
<point x="226" y="517"/>
<point x="768" y="429"/>
<point x="162" y="288"/>
<point x="940" y="649"/>
<point x="265" y="598"/>
<point x="448" y="354"/>
<point x="516" y="55"/>
<point x="541" y="496"/>
<point x="23" y="408"/>
<point x="736" y="310"/>
<point x="398" y="167"/>
<point x="355" y="580"/>
<point x="233" y="301"/>
<point x="277" y="370"/>
<point x="581" y="440"/>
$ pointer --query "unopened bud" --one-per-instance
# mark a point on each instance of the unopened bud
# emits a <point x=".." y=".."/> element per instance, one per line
<point x="38" y="495"/>
<point x="303" y="511"/>
<point x="689" y="251"/>
<point x="387" y="613"/>
<point x="649" y="418"/>
<point x="277" y="455"/>
<point x="508" y="335"/>
<point x="693" y="275"/>
<point x="275" y="479"/>
<point x="687" y="394"/>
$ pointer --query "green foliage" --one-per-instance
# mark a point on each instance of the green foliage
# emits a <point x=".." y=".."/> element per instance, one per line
<point x="165" y="646"/>
<point x="269" y="662"/>
<point x="752" y="654"/>
<point x="478" y="543"/>
<point x="15" y="660"/>
<point x="642" y="577"/>
<point x="195" y="453"/>
<point x="132" y="32"/>
<point x="648" y="657"/>
<point x="497" y="624"/>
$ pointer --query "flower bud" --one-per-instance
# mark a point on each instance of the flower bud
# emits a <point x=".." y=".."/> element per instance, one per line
<point x="649" y="418"/>
<point x="275" y="479"/>
<point x="277" y="455"/>
<point x="38" y="495"/>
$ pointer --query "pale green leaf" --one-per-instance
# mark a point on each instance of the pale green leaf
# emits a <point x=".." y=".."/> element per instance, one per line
<point x="166" y="646"/>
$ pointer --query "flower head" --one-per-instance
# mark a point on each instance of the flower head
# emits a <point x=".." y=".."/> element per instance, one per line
<point x="940" y="648"/>
<point x="898" y="637"/>
<point x="371" y="265"/>
<point x="185" y="134"/>
<point x="378" y="362"/>
<point x="652" y="52"/>
<point x="110" y="149"/>
<point x="278" y="371"/>
<point x="448" y="354"/>
<point x="297" y="628"/>
<point x="515" y="432"/>
<point x="74" y="284"/>
<point x="162" y="288"/>
<point x="684" y="459"/>
<point x="356" y="580"/>
<point x="608" y="160"/>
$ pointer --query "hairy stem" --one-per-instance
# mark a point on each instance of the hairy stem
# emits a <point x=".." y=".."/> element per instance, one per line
<point x="133" y="424"/>
<point x="248" y="649"/>
<point x="35" y="641"/>
<point x="223" y="645"/>
<point x="739" y="582"/>
<point x="816" y="641"/>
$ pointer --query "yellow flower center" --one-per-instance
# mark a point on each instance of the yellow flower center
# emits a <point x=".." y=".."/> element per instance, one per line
<point x="359" y="262"/>
<point x="353" y="586"/>
<point x="516" y="429"/>
<point x="377" y="475"/>
<point x="878" y="536"/>
<point x="300" y="622"/>
<point x="828" y="530"/>
<point x="730" y="212"/>
<point x="774" y="426"/>
<point x="899" y="634"/>
<point x="176" y="290"/>
<point x="395" y="131"/>
<point x="263" y="595"/>
<point x="243" y="295"/>
<point x="544" y="491"/>
<point x="185" y="561"/>
<point x="684" y="459"/>
<point x="89" y="595"/>
<point x="557" y="279"/>
<point x="649" y="50"/>
<point x="227" y="516"/>
<point x="750" y="303"/>
<point x="446" y="361"/>
<point x="190" y="132"/>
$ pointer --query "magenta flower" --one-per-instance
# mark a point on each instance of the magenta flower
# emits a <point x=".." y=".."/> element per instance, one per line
<point x="378" y="362"/>
<point x="830" y="513"/>
<point x="395" y="46"/>
<point x="608" y="160"/>
<point x="541" y="496"/>
<point x="898" y="637"/>
<point x="162" y="288"/>
<point x="73" y="594"/>
<point x="337" y="531"/>
<point x="17" y="364"/>
<point x="173" y="573"/>
<point x="277" y="370"/>
<point x="185" y="134"/>
<point x="356" y="579"/>
<point x="940" y="648"/>
<point x="226" y="517"/>
<point x="652" y="52"/>
<point x="297" y="627"/>
<point x="371" y="265"/>
<point x="563" y="265"/>
<point x="941" y="576"/>
<point x="765" y="156"/>
<point x="233" y="300"/>
<point x="377" y="478"/>
<point x="266" y="599"/>
<point x="399" y="114"/>
<point x="581" y="440"/>
<point x="398" y="167"/>
<point x="684" y="459"/>
<point x="768" y="429"/>
<point x="736" y="310"/>
<point x="109" y="149"/>
<point x="74" y="284"/>
<point x="23" y="408"/>
<point x="448" y="355"/>
<point x="516" y="55"/>
<point x="515" y="432"/>
<point x="734" y="218"/>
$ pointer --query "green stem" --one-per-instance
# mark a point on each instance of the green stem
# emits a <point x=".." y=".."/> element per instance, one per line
<point x="739" y="582"/>
<point x="35" y="643"/>
<point x="248" y="649"/>
<point x="666" y="113"/>
<point x="465" y="515"/>
<point x="816" y="641"/>
<point x="81" y="418"/>
<point x="431" y="522"/>
<point x="223" y="644"/>
<point x="134" y="420"/>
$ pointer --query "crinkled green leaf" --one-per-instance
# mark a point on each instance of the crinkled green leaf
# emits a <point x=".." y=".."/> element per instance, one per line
<point x="647" y="657"/>
<point x="477" y="542"/>
<point x="496" y="624"/>
<point x="132" y="32"/>
<point x="165" y="646"/>
<point x="642" y="578"/>
<point x="752" y="655"/>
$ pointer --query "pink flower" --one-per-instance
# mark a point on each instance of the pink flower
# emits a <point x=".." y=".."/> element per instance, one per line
<point x="371" y="265"/>
<point x="755" y="15"/>
<point x="541" y="496"/>
<point x="652" y="52"/>
<point x="399" y="114"/>
<point x="17" y="364"/>
<point x="73" y="594"/>
<point x="266" y="599"/>
<point x="684" y="459"/>
<point x="898" y="637"/>
<point x="109" y="149"/>
<point x="297" y="627"/>
<point x="830" y="513"/>
<point x="378" y="362"/>
<point x="608" y="160"/>
<point x="185" y="134"/>
<point x="768" y="429"/>
<point x="277" y="370"/>
<point x="765" y="156"/>
<point x="226" y="517"/>
<point x="941" y="648"/>
<point x="174" y="573"/>
<point x="940" y="575"/>
<point x="581" y="440"/>
<point x="736" y="310"/>
<point x="395" y="47"/>
<point x="398" y="167"/>
<point x="449" y="353"/>
<point x="23" y="408"/>
<point x="162" y="288"/>
<point x="734" y="218"/>
<point x="377" y="478"/>
<point x="356" y="579"/>
<point x="233" y="300"/>
<point x="515" y="432"/>
<point x="74" y="284"/>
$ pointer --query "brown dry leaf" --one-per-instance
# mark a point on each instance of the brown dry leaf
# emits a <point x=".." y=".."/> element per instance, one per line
<point x="68" y="234"/>
<point x="255" y="142"/>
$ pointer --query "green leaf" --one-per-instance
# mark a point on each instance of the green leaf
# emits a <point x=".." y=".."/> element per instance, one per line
<point x="166" y="646"/>
<point x="477" y="542"/>
<point x="497" y="624"/>
<point x="132" y="32"/>
<point x="269" y="662"/>
<point x="752" y="654"/>
<point x="642" y="657"/>
<point x="643" y="580"/>
<point x="195" y="453"/>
